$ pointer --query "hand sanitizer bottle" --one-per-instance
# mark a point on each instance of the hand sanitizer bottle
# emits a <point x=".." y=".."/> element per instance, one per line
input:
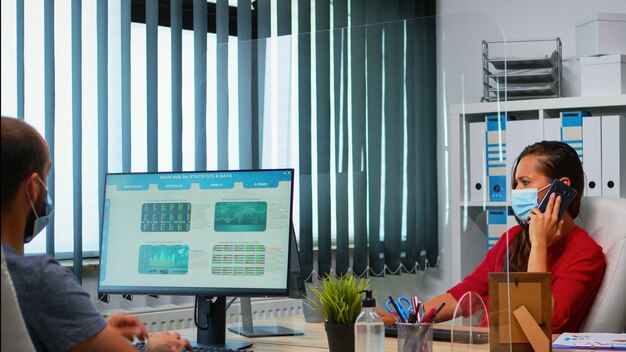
<point x="369" y="329"/>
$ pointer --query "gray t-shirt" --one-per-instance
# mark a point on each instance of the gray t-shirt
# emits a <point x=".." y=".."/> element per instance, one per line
<point x="57" y="311"/>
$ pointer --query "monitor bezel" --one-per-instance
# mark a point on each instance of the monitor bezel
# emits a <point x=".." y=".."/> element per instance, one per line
<point x="194" y="291"/>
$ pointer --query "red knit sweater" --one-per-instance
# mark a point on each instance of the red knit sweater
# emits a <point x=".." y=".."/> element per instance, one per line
<point x="577" y="265"/>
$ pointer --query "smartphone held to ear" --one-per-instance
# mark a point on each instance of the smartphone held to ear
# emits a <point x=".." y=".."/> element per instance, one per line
<point x="566" y="192"/>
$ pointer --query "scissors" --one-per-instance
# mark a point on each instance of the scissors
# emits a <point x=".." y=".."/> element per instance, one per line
<point x="404" y="306"/>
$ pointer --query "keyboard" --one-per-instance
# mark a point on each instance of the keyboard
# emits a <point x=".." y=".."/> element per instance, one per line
<point x="141" y="346"/>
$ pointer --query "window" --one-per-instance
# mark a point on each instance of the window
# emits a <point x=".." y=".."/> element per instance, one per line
<point x="347" y="100"/>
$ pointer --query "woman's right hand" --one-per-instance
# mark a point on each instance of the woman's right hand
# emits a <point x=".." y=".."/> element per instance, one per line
<point x="546" y="228"/>
<point x="166" y="342"/>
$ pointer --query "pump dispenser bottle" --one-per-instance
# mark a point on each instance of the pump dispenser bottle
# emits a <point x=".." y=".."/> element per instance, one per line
<point x="369" y="329"/>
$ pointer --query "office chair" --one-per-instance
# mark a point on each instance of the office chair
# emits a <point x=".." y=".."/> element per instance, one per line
<point x="15" y="337"/>
<point x="604" y="219"/>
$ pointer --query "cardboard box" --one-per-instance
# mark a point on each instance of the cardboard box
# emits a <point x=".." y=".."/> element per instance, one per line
<point x="601" y="34"/>
<point x="603" y="75"/>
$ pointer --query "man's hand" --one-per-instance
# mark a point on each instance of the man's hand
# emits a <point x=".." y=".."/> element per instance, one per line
<point x="128" y="325"/>
<point x="166" y="342"/>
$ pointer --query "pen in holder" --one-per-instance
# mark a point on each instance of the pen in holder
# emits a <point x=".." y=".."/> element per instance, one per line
<point x="417" y="337"/>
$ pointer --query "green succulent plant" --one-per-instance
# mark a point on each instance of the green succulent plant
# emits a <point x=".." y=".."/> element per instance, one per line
<point x="339" y="298"/>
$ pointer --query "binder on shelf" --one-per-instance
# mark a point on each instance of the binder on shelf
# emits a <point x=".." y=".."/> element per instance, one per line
<point x="613" y="156"/>
<point x="496" y="157"/>
<point x="477" y="155"/>
<point x="592" y="155"/>
<point x="572" y="130"/>
<point x="496" y="225"/>
<point x="552" y="129"/>
<point x="526" y="133"/>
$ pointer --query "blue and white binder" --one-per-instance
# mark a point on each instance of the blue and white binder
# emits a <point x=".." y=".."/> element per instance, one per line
<point x="572" y="130"/>
<point x="496" y="157"/>
<point x="496" y="225"/>
<point x="511" y="220"/>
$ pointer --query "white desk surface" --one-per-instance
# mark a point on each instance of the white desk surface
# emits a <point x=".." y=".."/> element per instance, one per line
<point x="314" y="338"/>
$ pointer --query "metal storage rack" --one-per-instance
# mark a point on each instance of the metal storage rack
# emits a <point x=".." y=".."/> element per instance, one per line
<point x="521" y="78"/>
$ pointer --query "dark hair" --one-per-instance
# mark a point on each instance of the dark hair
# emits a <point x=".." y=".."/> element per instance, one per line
<point x="556" y="160"/>
<point x="22" y="154"/>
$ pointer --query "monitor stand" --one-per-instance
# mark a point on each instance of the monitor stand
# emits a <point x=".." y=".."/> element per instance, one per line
<point x="248" y="330"/>
<point x="210" y="319"/>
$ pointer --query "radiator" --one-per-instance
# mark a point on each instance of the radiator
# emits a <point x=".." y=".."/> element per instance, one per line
<point x="181" y="317"/>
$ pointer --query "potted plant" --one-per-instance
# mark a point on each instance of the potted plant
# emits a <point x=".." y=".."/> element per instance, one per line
<point x="338" y="300"/>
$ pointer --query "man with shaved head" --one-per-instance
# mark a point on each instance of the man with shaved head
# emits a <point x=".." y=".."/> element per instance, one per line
<point x="58" y="313"/>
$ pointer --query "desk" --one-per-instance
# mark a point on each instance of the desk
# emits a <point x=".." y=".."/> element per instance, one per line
<point x="314" y="338"/>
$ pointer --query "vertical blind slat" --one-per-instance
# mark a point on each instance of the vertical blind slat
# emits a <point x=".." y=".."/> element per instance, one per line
<point x="393" y="122"/>
<point x="200" y="79"/>
<point x="49" y="107"/>
<point x="77" y="132"/>
<point x="374" y="127"/>
<point x="416" y="94"/>
<point x="125" y="85"/>
<point x="304" y="135"/>
<point x="177" y="84"/>
<point x="261" y="96"/>
<point x="340" y="92"/>
<point x="413" y="177"/>
<point x="222" y="83"/>
<point x="152" y="81"/>
<point x="283" y="20"/>
<point x="429" y="78"/>
<point x="322" y="62"/>
<point x="359" y="162"/>
<point x="244" y="71"/>
<point x="103" y="99"/>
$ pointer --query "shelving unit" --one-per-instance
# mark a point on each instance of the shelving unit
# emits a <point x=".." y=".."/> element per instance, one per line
<point x="468" y="218"/>
<point x="521" y="78"/>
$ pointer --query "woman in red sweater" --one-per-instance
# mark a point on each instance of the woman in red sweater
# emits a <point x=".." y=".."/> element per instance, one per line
<point x="540" y="242"/>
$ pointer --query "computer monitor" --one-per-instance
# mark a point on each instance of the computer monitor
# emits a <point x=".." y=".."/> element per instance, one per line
<point x="210" y="234"/>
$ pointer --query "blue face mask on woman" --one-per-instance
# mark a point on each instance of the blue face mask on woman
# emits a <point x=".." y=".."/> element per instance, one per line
<point x="524" y="200"/>
<point x="40" y="221"/>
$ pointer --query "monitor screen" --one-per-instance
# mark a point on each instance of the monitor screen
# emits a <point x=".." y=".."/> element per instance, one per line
<point x="197" y="233"/>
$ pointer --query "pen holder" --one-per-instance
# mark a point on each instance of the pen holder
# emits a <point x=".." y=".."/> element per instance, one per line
<point x="416" y="337"/>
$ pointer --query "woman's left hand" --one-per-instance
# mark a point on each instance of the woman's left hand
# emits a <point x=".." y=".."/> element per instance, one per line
<point x="388" y="319"/>
<point x="545" y="228"/>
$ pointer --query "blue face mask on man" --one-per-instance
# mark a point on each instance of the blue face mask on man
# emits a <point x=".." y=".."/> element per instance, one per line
<point x="40" y="221"/>
<point x="524" y="200"/>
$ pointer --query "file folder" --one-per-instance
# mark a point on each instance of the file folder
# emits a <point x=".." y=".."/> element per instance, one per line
<point x="496" y="225"/>
<point x="552" y="129"/>
<point x="572" y="130"/>
<point x="510" y="218"/>
<point x="478" y="171"/>
<point x="496" y="157"/>
<point x="527" y="132"/>
<point x="613" y="156"/>
<point x="592" y="158"/>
